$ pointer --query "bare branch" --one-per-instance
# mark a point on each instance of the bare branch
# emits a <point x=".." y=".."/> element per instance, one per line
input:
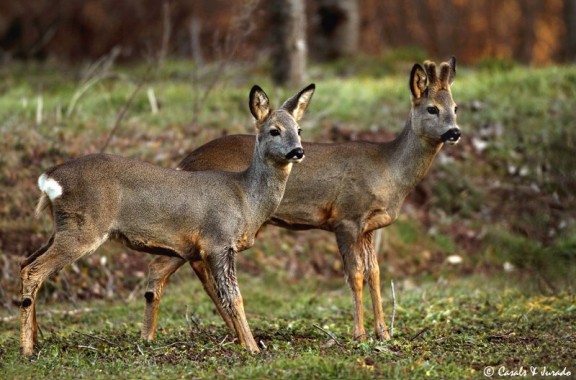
<point x="329" y="334"/>
<point x="393" y="309"/>
<point x="123" y="111"/>
<point x="139" y="349"/>
<point x="420" y="333"/>
<point x="242" y="26"/>
<point x="89" y="347"/>
<point x="172" y="345"/>
<point x="96" y="337"/>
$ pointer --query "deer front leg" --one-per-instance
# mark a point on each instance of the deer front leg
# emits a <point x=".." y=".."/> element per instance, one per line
<point x="372" y="272"/>
<point x="351" y="251"/>
<point x="159" y="270"/>
<point x="202" y="273"/>
<point x="222" y="272"/>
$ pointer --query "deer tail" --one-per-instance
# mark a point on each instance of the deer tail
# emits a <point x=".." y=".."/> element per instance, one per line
<point x="43" y="203"/>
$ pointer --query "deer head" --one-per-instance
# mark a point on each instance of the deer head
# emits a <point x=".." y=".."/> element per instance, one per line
<point x="433" y="114"/>
<point x="278" y="130"/>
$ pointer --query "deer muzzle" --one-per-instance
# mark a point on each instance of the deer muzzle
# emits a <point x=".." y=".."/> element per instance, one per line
<point x="452" y="136"/>
<point x="295" y="154"/>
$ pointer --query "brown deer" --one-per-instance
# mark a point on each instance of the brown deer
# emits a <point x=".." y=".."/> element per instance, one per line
<point x="205" y="217"/>
<point x="352" y="188"/>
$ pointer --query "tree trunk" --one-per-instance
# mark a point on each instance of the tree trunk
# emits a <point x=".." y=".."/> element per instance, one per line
<point x="527" y="35"/>
<point x="337" y="28"/>
<point x="570" y="21"/>
<point x="288" y="31"/>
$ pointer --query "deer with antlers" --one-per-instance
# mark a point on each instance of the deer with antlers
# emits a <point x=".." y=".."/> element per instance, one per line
<point x="353" y="188"/>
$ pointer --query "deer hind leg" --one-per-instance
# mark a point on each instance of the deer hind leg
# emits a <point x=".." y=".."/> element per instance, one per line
<point x="30" y="258"/>
<point x="61" y="251"/>
<point x="202" y="273"/>
<point x="222" y="273"/>
<point x="351" y="251"/>
<point x="372" y="272"/>
<point x="159" y="271"/>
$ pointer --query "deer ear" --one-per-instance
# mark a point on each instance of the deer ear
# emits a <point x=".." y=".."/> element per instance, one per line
<point x="452" y="74"/>
<point x="418" y="81"/>
<point x="259" y="103"/>
<point x="297" y="104"/>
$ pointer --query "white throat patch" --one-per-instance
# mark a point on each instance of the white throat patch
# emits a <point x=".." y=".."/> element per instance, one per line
<point x="49" y="186"/>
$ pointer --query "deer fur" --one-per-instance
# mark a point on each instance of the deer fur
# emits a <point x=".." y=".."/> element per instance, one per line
<point x="182" y="216"/>
<point x="355" y="188"/>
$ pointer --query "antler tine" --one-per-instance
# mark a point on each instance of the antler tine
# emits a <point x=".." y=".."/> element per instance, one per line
<point x="444" y="74"/>
<point x="430" y="68"/>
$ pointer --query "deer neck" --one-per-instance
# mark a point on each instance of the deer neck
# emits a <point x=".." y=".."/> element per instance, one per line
<point x="410" y="158"/>
<point x="265" y="182"/>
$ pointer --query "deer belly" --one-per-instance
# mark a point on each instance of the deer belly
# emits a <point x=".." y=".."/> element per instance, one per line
<point x="144" y="244"/>
<point x="304" y="218"/>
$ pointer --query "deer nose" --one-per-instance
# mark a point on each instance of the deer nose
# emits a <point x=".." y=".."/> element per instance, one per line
<point x="297" y="153"/>
<point x="453" y="135"/>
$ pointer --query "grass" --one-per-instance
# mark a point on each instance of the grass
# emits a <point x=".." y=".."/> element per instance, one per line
<point x="449" y="329"/>
<point x="501" y="199"/>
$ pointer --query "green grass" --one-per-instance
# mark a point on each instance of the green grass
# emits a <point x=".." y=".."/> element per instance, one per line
<point x="452" y="329"/>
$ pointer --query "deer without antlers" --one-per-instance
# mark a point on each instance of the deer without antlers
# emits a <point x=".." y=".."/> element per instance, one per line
<point x="197" y="217"/>
<point x="354" y="188"/>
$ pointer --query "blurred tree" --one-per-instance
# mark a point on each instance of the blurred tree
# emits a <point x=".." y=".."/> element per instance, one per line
<point x="527" y="33"/>
<point x="288" y="33"/>
<point x="570" y="21"/>
<point x="337" y="28"/>
<point x="531" y="31"/>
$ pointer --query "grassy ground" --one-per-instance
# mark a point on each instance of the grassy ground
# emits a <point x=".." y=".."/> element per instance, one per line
<point x="502" y="200"/>
<point x="454" y="328"/>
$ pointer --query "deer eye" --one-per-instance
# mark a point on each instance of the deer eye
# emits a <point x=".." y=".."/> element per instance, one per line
<point x="433" y="110"/>
<point x="456" y="109"/>
<point x="299" y="131"/>
<point x="274" y="132"/>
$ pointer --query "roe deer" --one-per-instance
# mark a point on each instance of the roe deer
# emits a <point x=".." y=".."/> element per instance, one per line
<point x="354" y="188"/>
<point x="183" y="216"/>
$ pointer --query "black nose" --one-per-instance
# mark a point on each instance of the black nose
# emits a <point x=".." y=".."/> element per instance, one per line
<point x="452" y="135"/>
<point x="297" y="153"/>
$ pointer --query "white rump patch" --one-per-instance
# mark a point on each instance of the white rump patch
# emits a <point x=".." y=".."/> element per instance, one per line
<point x="49" y="186"/>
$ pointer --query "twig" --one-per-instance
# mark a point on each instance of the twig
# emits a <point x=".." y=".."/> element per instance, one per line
<point x="195" y="28"/>
<point x="39" y="109"/>
<point x="101" y="66"/>
<point x="190" y="319"/>
<point x="517" y="322"/>
<point x="171" y="344"/>
<point x="39" y="352"/>
<point x="420" y="333"/>
<point x="166" y="31"/>
<point x="152" y="100"/>
<point x="501" y="335"/>
<point x="223" y="340"/>
<point x="123" y="111"/>
<point x="139" y="349"/>
<point x="89" y="347"/>
<point x="136" y="290"/>
<point x="241" y="28"/>
<point x="85" y="87"/>
<point x="41" y="332"/>
<point x="328" y="333"/>
<point x="393" y="309"/>
<point x="96" y="337"/>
